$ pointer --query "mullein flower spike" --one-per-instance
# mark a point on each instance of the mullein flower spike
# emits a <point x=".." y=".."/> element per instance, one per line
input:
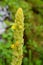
<point x="18" y="28"/>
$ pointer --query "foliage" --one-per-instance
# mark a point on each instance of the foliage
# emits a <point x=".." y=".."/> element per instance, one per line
<point x="5" y="47"/>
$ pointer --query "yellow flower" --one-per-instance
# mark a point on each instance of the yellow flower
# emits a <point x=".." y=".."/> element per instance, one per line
<point x="13" y="26"/>
<point x="12" y="46"/>
<point x="17" y="43"/>
<point x="20" y="26"/>
<point x="19" y="10"/>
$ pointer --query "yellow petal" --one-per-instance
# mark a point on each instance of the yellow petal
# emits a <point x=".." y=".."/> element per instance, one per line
<point x="12" y="46"/>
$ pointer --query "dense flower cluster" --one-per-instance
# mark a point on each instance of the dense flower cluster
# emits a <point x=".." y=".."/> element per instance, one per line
<point x="18" y="28"/>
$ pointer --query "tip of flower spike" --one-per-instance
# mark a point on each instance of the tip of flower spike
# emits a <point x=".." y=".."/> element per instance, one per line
<point x="19" y="15"/>
<point x="20" y="9"/>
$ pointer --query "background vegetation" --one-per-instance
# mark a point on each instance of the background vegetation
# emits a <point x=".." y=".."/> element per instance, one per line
<point x="33" y="33"/>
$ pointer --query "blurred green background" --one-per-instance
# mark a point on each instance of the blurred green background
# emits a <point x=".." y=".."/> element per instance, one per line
<point x="33" y="33"/>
